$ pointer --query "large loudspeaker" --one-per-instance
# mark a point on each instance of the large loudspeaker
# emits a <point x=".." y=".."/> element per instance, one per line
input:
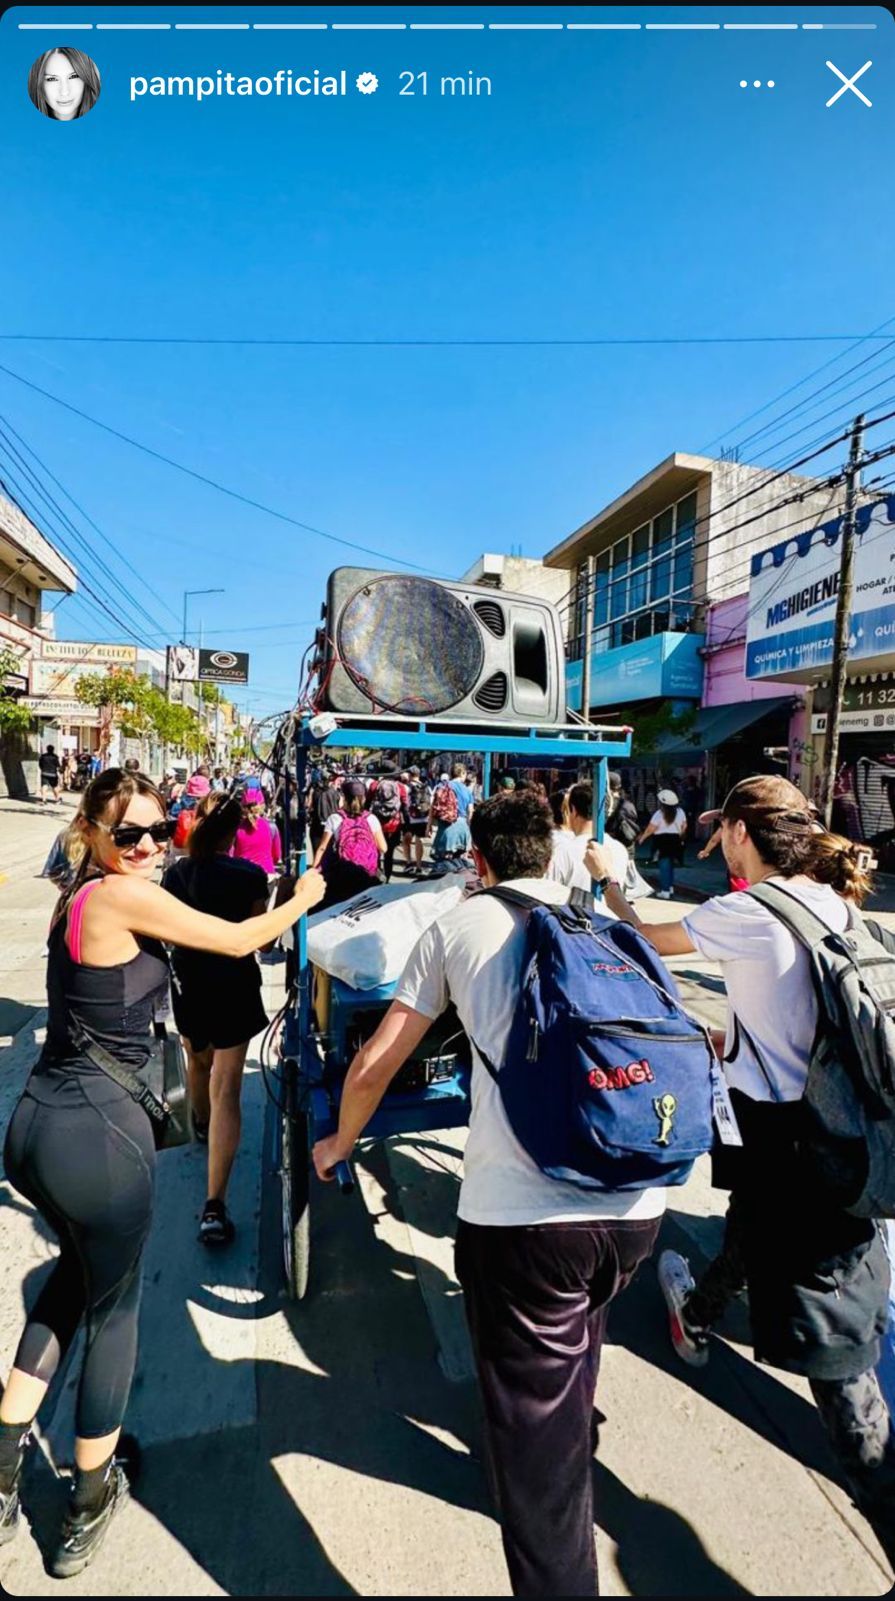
<point x="424" y="648"/>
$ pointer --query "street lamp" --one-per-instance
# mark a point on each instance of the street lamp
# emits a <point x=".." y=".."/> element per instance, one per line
<point x="186" y="597"/>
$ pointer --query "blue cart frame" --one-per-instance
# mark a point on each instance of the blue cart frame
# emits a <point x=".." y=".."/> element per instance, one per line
<point x="308" y="1098"/>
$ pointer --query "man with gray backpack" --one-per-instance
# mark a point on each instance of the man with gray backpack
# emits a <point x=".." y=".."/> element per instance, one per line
<point x="591" y="1093"/>
<point x="809" y="1059"/>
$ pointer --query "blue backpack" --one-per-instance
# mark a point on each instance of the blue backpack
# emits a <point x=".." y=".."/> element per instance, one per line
<point x="607" y="1081"/>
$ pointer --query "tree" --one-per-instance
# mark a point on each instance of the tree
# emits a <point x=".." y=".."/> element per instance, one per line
<point x="657" y="727"/>
<point x="122" y="698"/>
<point x="14" y="718"/>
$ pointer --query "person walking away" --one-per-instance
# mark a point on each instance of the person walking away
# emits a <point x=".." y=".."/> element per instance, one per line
<point x="82" y="1152"/>
<point x="452" y="837"/>
<point x="416" y="823"/>
<point x="48" y="766"/>
<point x="622" y="822"/>
<point x="817" y="1275"/>
<point x="352" y="846"/>
<point x="387" y="798"/>
<point x="668" y="825"/>
<point x="539" y="1260"/>
<point x="326" y="798"/>
<point x="257" y="838"/>
<point x="463" y="790"/>
<point x="217" y="999"/>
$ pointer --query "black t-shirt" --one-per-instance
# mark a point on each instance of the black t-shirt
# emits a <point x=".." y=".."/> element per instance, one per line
<point x="326" y="802"/>
<point x="224" y="887"/>
<point x="48" y="765"/>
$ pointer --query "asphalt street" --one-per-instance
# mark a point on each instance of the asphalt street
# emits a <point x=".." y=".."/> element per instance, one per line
<point x="334" y="1447"/>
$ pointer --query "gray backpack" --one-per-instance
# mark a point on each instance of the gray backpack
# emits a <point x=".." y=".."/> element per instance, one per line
<point x="848" y="1135"/>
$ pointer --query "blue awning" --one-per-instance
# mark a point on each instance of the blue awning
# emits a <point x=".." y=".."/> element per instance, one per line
<point x="715" y="725"/>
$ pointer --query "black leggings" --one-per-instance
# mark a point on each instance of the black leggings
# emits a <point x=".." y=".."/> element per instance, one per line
<point x="88" y="1167"/>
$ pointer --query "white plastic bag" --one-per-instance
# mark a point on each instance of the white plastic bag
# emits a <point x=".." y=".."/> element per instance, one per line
<point x="367" y="941"/>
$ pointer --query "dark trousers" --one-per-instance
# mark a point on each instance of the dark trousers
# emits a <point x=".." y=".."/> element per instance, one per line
<point x="536" y="1302"/>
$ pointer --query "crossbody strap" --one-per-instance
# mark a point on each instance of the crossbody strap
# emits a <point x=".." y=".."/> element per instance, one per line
<point x="108" y="1064"/>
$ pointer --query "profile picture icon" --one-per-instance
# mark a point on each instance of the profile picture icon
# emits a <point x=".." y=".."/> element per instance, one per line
<point x="64" y="83"/>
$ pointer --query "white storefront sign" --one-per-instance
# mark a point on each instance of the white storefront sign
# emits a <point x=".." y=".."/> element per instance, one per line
<point x="61" y="709"/>
<point x="792" y="598"/>
<point x="76" y="650"/>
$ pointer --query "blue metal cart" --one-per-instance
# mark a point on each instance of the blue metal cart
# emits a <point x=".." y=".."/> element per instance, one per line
<point x="432" y="1092"/>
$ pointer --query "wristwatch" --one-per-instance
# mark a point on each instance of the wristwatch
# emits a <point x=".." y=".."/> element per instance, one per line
<point x="606" y="883"/>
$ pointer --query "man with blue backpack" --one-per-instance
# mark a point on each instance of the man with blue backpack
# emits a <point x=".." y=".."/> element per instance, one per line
<point x="809" y="1058"/>
<point x="591" y="1092"/>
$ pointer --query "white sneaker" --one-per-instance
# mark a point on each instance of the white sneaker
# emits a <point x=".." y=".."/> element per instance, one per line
<point x="676" y="1281"/>
<point x="664" y="894"/>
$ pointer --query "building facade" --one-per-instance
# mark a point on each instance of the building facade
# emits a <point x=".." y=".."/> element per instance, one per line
<point x="790" y="627"/>
<point x="30" y="566"/>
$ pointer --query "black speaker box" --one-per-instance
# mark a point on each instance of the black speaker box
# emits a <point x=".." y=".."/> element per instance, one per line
<point x="425" y="648"/>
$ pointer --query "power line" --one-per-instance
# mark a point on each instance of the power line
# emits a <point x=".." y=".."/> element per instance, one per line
<point x="211" y="483"/>
<point x="785" y="393"/>
<point x="49" y="501"/>
<point x="834" y="386"/>
<point x="87" y="518"/>
<point x="441" y="344"/>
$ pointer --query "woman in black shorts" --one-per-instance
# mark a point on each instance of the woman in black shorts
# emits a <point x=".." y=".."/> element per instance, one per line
<point x="82" y="1151"/>
<point x="217" y="999"/>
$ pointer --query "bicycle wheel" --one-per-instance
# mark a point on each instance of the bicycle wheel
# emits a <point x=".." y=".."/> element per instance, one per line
<point x="295" y="1193"/>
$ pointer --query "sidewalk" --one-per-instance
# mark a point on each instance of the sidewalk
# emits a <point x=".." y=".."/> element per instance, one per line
<point x="699" y="881"/>
<point x="346" y="1429"/>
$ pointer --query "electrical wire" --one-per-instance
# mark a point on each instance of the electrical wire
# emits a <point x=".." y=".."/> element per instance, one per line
<point x="52" y="505"/>
<point x="440" y="344"/>
<point x="211" y="483"/>
<point x="785" y="393"/>
<point x="87" y="518"/>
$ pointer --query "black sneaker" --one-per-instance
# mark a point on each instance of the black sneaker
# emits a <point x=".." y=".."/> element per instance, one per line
<point x="216" y="1227"/>
<point x="200" y="1130"/>
<point x="9" y="1515"/>
<point x="84" y="1532"/>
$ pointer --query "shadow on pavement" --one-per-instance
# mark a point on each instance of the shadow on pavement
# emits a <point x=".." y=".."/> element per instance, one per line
<point x="15" y="1015"/>
<point x="657" y="1551"/>
<point x="730" y="1381"/>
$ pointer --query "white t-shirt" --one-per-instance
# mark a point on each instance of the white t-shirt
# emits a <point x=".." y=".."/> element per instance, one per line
<point x="473" y="957"/>
<point x="768" y="983"/>
<point x="567" y="862"/>
<point x="659" y="825"/>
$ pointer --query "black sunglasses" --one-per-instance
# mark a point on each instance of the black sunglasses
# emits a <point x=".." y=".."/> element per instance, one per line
<point x="126" y="835"/>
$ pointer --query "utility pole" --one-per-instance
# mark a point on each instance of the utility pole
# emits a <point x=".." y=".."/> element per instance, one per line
<point x="588" y="638"/>
<point x="844" y="599"/>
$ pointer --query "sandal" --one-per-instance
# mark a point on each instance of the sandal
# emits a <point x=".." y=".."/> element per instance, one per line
<point x="216" y="1227"/>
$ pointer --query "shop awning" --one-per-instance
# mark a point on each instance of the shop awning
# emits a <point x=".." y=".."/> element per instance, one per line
<point x="714" y="725"/>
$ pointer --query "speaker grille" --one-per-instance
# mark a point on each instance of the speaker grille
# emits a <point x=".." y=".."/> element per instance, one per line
<point x="492" y="616"/>
<point x="410" y="645"/>
<point x="492" y="696"/>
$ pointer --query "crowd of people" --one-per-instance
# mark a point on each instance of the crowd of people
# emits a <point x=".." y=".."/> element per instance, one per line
<point x="540" y="1254"/>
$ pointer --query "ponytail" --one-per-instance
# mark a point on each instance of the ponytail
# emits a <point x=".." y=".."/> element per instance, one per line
<point x="841" y="863"/>
<point x="217" y="819"/>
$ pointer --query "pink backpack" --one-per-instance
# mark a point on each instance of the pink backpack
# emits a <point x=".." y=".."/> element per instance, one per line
<point x="355" y="843"/>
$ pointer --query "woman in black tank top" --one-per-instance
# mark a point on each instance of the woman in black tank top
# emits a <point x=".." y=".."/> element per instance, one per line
<point x="82" y="1152"/>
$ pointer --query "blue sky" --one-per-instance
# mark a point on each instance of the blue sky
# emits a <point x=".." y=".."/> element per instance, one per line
<point x="614" y="184"/>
